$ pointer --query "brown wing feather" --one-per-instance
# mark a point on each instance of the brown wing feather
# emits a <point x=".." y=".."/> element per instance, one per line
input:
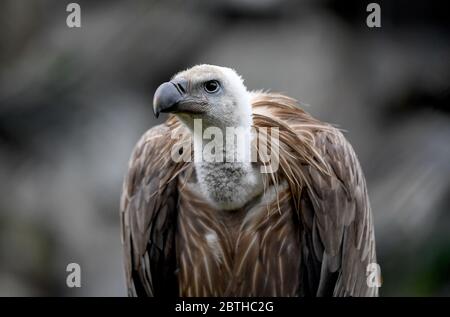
<point x="337" y="235"/>
<point x="148" y="216"/>
<point x="338" y="222"/>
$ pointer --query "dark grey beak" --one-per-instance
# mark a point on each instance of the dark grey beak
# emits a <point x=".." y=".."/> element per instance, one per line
<point x="168" y="96"/>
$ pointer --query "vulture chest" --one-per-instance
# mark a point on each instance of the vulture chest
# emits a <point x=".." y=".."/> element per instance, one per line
<point x="253" y="251"/>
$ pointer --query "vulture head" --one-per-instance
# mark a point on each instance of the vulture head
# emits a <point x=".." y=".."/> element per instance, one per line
<point x="215" y="94"/>
<point x="218" y="97"/>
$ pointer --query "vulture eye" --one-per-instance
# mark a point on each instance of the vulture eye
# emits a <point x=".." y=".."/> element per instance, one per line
<point x="211" y="86"/>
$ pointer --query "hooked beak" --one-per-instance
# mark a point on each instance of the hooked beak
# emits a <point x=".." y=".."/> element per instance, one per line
<point x="168" y="96"/>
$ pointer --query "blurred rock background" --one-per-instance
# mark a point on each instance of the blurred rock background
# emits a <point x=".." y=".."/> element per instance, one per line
<point x="74" y="101"/>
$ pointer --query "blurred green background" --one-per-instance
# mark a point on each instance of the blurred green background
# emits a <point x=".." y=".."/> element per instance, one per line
<point x="73" y="102"/>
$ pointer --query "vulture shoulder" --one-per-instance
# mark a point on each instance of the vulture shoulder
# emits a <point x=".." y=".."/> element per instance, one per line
<point x="148" y="211"/>
<point x="330" y="194"/>
<point x="338" y="233"/>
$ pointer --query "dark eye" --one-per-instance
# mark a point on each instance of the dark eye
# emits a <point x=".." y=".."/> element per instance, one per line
<point x="211" y="86"/>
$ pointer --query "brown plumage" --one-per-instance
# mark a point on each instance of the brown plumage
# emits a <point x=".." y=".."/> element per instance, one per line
<point x="309" y="234"/>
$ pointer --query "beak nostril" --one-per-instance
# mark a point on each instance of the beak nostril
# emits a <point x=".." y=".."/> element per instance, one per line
<point x="181" y="88"/>
<point x="180" y="85"/>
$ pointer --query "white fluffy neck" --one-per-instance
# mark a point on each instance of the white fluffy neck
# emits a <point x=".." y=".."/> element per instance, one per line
<point x="226" y="175"/>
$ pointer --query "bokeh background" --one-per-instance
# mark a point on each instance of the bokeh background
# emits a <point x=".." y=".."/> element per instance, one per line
<point x="73" y="102"/>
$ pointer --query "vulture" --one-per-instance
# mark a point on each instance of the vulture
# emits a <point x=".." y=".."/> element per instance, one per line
<point x="198" y="220"/>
